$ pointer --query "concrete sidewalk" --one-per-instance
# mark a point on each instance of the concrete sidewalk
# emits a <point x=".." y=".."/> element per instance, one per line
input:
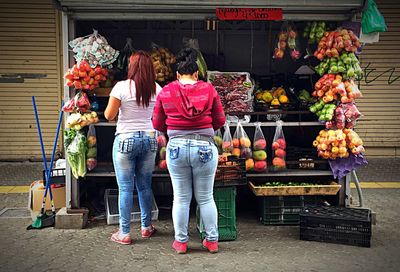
<point x="257" y="248"/>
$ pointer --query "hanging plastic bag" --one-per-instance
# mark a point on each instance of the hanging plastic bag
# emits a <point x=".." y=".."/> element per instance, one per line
<point x="244" y="142"/>
<point x="351" y="114"/>
<point x="279" y="147"/>
<point x="236" y="141"/>
<point x="76" y="152"/>
<point x="91" y="153"/>
<point x="281" y="42"/>
<point x="123" y="59"/>
<point x="162" y="150"/>
<point x="201" y="63"/>
<point x="218" y="140"/>
<point x="259" y="150"/>
<point x="227" y="145"/>
<point x="293" y="42"/>
<point x="372" y="20"/>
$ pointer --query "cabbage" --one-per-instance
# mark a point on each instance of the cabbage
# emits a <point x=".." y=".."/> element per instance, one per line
<point x="76" y="155"/>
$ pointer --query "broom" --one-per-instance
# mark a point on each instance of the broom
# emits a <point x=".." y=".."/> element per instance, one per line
<point x="44" y="220"/>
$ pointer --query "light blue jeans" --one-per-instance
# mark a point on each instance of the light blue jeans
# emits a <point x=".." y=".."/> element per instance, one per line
<point x="192" y="165"/>
<point x="133" y="157"/>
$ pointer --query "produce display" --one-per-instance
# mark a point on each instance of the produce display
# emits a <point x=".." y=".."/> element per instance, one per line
<point x="335" y="42"/>
<point x="314" y="31"/>
<point x="75" y="147"/>
<point x="325" y="112"/>
<point x="241" y="143"/>
<point x="234" y="88"/>
<point x="347" y="64"/>
<point x="95" y="49"/>
<point x="332" y="144"/>
<point x="287" y="40"/>
<point x="83" y="77"/>
<point x="162" y="60"/>
<point x="273" y="98"/>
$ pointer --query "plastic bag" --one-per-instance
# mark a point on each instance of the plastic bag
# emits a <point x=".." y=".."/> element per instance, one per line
<point x="244" y="143"/>
<point x="162" y="150"/>
<point x="340" y="117"/>
<point x="279" y="147"/>
<point x="123" y="59"/>
<point x="259" y="150"/>
<point x="218" y="140"/>
<point x="293" y="42"/>
<point x="201" y="63"/>
<point x="281" y="42"/>
<point x="80" y="102"/>
<point x="372" y="20"/>
<point x="91" y="153"/>
<point x="351" y="114"/>
<point x="227" y="145"/>
<point x="76" y="153"/>
<point x="95" y="49"/>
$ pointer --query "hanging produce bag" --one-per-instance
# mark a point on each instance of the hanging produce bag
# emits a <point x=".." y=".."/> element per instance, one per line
<point x="281" y="42"/>
<point x="241" y="143"/>
<point x="279" y="148"/>
<point x="162" y="60"/>
<point x="162" y="150"/>
<point x="372" y="20"/>
<point x="76" y="147"/>
<point x="95" y="49"/>
<point x="218" y="140"/>
<point x="293" y="42"/>
<point x="259" y="150"/>
<point x="83" y="77"/>
<point x="201" y="63"/>
<point x="123" y="58"/>
<point x="91" y="153"/>
<point x="80" y="102"/>
<point x="227" y="145"/>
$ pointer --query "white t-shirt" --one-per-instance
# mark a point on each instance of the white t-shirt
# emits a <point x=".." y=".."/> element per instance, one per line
<point x="132" y="117"/>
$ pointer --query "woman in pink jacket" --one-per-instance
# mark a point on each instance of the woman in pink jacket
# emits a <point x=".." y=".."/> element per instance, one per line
<point x="189" y="111"/>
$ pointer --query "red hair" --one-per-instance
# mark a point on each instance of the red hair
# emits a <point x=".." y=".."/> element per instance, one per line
<point x="141" y="71"/>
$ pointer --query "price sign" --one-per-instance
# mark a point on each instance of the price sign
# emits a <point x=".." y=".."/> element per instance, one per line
<point x="250" y="14"/>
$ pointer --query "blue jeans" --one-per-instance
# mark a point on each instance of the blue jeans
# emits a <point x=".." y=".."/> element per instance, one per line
<point x="133" y="157"/>
<point x="192" y="165"/>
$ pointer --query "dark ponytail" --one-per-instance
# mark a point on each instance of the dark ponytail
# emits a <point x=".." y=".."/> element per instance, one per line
<point x="186" y="61"/>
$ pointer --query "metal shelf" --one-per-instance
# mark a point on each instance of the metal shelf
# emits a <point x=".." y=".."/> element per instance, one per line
<point x="291" y="173"/>
<point x="285" y="124"/>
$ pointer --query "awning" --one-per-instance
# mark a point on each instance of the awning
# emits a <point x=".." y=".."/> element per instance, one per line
<point x="305" y="10"/>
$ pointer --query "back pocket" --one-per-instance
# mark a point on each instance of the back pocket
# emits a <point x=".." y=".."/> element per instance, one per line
<point x="126" y="145"/>
<point x="205" y="154"/>
<point x="173" y="152"/>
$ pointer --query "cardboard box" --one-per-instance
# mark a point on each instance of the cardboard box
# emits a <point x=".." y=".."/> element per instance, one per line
<point x="36" y="192"/>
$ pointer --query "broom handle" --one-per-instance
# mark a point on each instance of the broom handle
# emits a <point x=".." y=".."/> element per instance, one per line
<point x="48" y="171"/>
<point x="48" y="185"/>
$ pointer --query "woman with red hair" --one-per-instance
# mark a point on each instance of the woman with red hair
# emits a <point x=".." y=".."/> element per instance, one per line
<point x="135" y="145"/>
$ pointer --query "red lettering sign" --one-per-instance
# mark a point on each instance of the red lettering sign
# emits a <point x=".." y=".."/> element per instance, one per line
<point x="250" y="14"/>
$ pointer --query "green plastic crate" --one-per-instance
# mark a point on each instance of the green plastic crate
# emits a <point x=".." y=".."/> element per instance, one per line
<point x="225" y="200"/>
<point x="284" y="210"/>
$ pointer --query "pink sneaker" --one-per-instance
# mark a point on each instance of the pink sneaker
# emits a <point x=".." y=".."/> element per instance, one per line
<point x="179" y="247"/>
<point x="146" y="233"/>
<point x="212" y="247"/>
<point x="126" y="240"/>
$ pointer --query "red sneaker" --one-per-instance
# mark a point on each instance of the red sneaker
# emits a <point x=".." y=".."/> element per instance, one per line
<point x="179" y="247"/>
<point x="126" y="240"/>
<point x="212" y="247"/>
<point x="146" y="233"/>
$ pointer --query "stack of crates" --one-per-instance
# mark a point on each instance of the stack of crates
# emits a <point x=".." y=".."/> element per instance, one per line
<point x="225" y="199"/>
<point x="284" y="210"/>
<point x="340" y="225"/>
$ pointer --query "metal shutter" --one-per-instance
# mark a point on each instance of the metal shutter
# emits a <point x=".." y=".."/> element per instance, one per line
<point x="29" y="44"/>
<point x="380" y="105"/>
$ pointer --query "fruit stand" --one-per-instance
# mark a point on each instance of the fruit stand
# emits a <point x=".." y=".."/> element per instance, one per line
<point x="284" y="125"/>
